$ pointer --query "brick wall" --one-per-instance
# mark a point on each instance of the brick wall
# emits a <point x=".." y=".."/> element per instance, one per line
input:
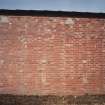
<point x="52" y="55"/>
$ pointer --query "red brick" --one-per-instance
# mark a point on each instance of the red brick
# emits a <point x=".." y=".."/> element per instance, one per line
<point x="52" y="55"/>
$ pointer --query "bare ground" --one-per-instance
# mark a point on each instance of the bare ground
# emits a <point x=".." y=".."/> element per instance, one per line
<point x="52" y="100"/>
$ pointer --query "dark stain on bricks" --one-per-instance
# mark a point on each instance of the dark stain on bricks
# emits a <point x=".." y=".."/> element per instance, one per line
<point x="52" y="100"/>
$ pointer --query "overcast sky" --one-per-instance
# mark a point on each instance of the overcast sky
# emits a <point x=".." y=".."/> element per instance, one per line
<point x="62" y="5"/>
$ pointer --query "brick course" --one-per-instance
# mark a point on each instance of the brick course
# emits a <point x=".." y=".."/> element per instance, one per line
<point x="52" y="55"/>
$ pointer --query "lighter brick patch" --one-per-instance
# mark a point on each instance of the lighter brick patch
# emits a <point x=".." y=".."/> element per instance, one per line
<point x="20" y="71"/>
<point x="44" y="61"/>
<point x="69" y="21"/>
<point x="2" y="61"/>
<point x="85" y="80"/>
<point x="25" y="84"/>
<point x="72" y="77"/>
<point x="103" y="50"/>
<point x="1" y="84"/>
<point x="69" y="45"/>
<point x="43" y="67"/>
<point x="25" y="46"/>
<point x="10" y="76"/>
<point x="10" y="23"/>
<point x="77" y="19"/>
<point x="4" y="19"/>
<point x="84" y="61"/>
<point x="43" y="77"/>
<point x="23" y="40"/>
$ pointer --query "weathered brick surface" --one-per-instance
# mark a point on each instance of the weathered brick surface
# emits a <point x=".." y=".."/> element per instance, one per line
<point x="52" y="55"/>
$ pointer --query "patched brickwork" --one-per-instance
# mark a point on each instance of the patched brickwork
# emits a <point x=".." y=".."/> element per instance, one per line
<point x="52" y="55"/>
